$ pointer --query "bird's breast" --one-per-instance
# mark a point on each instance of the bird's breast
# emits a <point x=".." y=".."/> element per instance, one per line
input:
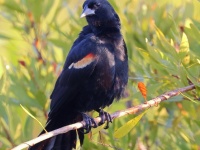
<point x="105" y="69"/>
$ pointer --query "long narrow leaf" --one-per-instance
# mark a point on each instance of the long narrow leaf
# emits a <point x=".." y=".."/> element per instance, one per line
<point x="122" y="131"/>
<point x="33" y="117"/>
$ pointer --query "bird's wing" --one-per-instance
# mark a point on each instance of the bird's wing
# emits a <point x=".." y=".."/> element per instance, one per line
<point x="78" y="67"/>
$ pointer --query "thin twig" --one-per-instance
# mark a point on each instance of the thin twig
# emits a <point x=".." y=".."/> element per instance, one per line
<point x="133" y="110"/>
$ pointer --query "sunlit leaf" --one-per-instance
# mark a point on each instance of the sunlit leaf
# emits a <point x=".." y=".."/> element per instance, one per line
<point x="185" y="137"/>
<point x="196" y="5"/>
<point x="33" y="117"/>
<point x="18" y="131"/>
<point x="184" y="50"/>
<point x="122" y="131"/>
<point x="78" y="144"/>
<point x="165" y="45"/>
<point x="50" y="11"/>
<point x="198" y="61"/>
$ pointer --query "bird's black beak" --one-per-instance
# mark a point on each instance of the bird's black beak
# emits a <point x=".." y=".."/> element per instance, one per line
<point x="87" y="11"/>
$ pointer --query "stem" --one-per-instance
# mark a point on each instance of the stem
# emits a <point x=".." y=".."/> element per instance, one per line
<point x="132" y="110"/>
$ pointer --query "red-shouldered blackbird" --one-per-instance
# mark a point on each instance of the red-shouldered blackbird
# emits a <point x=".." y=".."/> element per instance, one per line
<point x="94" y="74"/>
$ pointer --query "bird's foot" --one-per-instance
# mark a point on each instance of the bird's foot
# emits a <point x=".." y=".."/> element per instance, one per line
<point x="89" y="123"/>
<point x="105" y="117"/>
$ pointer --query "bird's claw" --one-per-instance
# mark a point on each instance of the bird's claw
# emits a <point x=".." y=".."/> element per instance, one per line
<point x="105" y="117"/>
<point x="89" y="123"/>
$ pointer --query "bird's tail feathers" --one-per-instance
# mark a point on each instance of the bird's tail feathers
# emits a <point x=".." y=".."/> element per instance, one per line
<point x="65" y="141"/>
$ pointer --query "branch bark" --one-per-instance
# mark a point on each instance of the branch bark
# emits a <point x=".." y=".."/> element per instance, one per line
<point x="132" y="110"/>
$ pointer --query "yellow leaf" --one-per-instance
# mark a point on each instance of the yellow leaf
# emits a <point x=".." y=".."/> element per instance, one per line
<point x="33" y="117"/>
<point x="122" y="131"/>
<point x="185" y="137"/>
<point x="172" y="42"/>
<point x="184" y="50"/>
<point x="78" y="144"/>
<point x="198" y="61"/>
<point x="159" y="33"/>
<point x="184" y="47"/>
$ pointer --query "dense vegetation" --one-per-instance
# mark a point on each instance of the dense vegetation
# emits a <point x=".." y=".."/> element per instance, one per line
<point x="163" y="40"/>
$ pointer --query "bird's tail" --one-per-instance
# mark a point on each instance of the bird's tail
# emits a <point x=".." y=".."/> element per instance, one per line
<point x="65" y="141"/>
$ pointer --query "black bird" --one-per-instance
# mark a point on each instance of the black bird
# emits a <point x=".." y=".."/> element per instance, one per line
<point x="94" y="74"/>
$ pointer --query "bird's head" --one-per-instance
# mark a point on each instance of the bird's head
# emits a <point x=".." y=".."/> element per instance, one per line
<point x="99" y="13"/>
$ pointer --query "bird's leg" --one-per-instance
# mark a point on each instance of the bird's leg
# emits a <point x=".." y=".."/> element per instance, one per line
<point x="105" y="117"/>
<point x="89" y="123"/>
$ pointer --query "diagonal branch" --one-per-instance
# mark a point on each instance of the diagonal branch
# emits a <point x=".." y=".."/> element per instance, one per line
<point x="133" y="110"/>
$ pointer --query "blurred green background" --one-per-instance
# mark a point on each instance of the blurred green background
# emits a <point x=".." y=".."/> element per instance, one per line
<point x="163" y="40"/>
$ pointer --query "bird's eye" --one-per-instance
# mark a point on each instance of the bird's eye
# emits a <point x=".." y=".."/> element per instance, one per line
<point x="94" y="5"/>
<point x="97" y="4"/>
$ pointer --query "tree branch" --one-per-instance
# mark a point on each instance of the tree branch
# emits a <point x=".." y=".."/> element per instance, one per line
<point x="133" y="110"/>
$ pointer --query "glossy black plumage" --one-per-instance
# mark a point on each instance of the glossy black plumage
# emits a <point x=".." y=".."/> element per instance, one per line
<point x="94" y="74"/>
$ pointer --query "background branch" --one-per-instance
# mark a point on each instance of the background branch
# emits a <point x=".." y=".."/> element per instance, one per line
<point x="133" y="110"/>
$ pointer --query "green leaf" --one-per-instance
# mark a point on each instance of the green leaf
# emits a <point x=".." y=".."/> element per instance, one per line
<point x="177" y="98"/>
<point x="122" y="131"/>
<point x="2" y="108"/>
<point x="183" y="75"/>
<point x="2" y="81"/>
<point x="33" y="117"/>
<point x="28" y="125"/>
<point x="99" y="128"/>
<point x="184" y="50"/>
<point x="51" y="8"/>
<point x="12" y="5"/>
<point x="190" y="98"/>
<point x="5" y="141"/>
<point x="58" y="42"/>
<point x="4" y="37"/>
<point x="194" y="31"/>
<point x="2" y="75"/>
<point x="41" y="98"/>
<point x="78" y="144"/>
<point x="164" y="45"/>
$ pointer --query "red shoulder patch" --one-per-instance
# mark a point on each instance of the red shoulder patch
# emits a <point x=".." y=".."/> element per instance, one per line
<point x="85" y="61"/>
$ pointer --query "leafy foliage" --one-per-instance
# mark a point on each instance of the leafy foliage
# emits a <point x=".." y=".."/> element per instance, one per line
<point x="127" y="127"/>
<point x="164" y="52"/>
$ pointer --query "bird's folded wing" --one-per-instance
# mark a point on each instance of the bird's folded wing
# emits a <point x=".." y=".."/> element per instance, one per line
<point x="79" y="66"/>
